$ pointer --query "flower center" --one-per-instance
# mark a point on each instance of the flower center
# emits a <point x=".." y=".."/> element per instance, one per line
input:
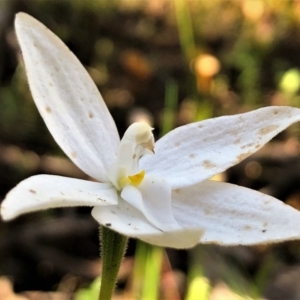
<point x="137" y="141"/>
<point x="134" y="180"/>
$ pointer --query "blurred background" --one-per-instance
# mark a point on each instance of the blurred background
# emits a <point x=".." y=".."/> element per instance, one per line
<point x="169" y="63"/>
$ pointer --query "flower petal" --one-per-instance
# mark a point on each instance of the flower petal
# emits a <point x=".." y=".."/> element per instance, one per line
<point x="67" y="99"/>
<point x="153" y="199"/>
<point x="197" y="151"/>
<point x="47" y="191"/>
<point x="183" y="238"/>
<point x="130" y="222"/>
<point x="234" y="215"/>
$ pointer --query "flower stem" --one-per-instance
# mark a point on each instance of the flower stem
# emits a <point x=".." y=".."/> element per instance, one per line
<point x="113" y="247"/>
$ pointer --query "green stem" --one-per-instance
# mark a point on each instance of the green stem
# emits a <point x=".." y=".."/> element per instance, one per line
<point x="140" y="255"/>
<point x="152" y="272"/>
<point x="113" y="247"/>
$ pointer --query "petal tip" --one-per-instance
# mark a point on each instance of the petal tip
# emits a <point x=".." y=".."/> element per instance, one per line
<point x="22" y="17"/>
<point x="5" y="214"/>
<point x="23" y="21"/>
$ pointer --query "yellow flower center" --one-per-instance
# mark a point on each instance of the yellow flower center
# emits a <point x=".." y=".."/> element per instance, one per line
<point x="134" y="180"/>
<point x="137" y="141"/>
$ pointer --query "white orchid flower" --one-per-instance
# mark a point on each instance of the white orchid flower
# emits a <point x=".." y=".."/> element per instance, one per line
<point x="164" y="198"/>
